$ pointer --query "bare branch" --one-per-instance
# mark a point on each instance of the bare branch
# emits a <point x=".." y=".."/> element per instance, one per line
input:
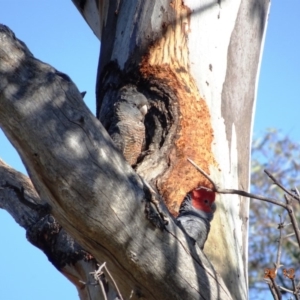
<point x="293" y="219"/>
<point x="94" y="194"/>
<point x="19" y="198"/>
<point x="296" y="191"/>
<point x="97" y="276"/>
<point x="280" y="227"/>
<point x="274" y="289"/>
<point x="277" y="291"/>
<point x="204" y="174"/>
<point x="272" y="284"/>
<point x="114" y="282"/>
<point x="296" y="292"/>
<point x="237" y="192"/>
<point x="285" y="289"/>
<point x="281" y="186"/>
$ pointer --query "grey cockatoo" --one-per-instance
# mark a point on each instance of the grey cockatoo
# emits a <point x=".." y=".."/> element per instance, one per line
<point x="127" y="129"/>
<point x="195" y="213"/>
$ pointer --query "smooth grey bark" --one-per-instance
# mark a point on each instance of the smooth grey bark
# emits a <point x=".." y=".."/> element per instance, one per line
<point x="218" y="44"/>
<point x="93" y="193"/>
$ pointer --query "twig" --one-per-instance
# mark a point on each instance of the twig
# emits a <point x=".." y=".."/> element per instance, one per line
<point x="88" y="283"/>
<point x="97" y="275"/>
<point x="290" y="274"/>
<point x="250" y="195"/>
<point x="270" y="275"/>
<point x="296" y="191"/>
<point x="296" y="294"/>
<point x="237" y="192"/>
<point x="287" y="206"/>
<point x="274" y="289"/>
<point x="271" y="282"/>
<point x="280" y="226"/>
<point x="273" y="292"/>
<point x="281" y="186"/>
<point x="204" y="174"/>
<point x="285" y="289"/>
<point x="115" y="284"/>
<point x="102" y="289"/>
<point x="293" y="219"/>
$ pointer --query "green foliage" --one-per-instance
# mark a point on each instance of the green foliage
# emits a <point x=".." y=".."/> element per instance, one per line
<point x="281" y="157"/>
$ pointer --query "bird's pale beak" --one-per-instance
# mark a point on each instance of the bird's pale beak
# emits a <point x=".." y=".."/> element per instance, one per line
<point x="144" y="110"/>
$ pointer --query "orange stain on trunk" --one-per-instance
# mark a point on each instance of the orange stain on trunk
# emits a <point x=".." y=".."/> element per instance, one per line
<point x="167" y="61"/>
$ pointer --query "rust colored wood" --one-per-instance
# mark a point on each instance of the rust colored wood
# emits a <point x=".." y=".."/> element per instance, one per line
<point x="94" y="194"/>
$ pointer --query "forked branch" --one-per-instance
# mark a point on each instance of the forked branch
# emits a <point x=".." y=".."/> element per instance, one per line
<point x="286" y="205"/>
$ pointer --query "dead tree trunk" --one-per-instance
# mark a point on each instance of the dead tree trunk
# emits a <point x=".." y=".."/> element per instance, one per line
<point x="19" y="198"/>
<point x="93" y="193"/>
<point x="197" y="66"/>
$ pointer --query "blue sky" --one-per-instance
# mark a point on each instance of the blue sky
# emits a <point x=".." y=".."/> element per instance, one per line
<point x="278" y="102"/>
<point x="56" y="33"/>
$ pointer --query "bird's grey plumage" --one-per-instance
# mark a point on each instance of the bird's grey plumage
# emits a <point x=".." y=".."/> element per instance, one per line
<point x="196" y="227"/>
<point x="194" y="222"/>
<point x="127" y="129"/>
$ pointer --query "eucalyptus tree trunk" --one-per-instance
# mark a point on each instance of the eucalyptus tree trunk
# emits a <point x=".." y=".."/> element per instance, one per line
<point x="197" y="65"/>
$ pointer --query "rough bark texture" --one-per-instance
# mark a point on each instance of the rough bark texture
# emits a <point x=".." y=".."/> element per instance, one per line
<point x="93" y="193"/>
<point x="237" y="106"/>
<point x="19" y="198"/>
<point x="197" y="65"/>
<point x="178" y="123"/>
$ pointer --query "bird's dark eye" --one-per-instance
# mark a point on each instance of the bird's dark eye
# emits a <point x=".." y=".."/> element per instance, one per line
<point x="206" y="201"/>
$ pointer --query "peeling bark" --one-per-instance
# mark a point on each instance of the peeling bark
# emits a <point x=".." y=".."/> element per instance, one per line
<point x="197" y="65"/>
<point x="178" y="123"/>
<point x="93" y="193"/>
<point x="94" y="12"/>
<point x="19" y="198"/>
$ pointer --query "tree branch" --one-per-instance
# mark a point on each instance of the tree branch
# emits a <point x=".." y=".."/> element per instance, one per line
<point x="281" y="186"/>
<point x="236" y="192"/>
<point x="280" y="227"/>
<point x="286" y="206"/>
<point x="44" y="232"/>
<point x="292" y="216"/>
<point x="93" y="192"/>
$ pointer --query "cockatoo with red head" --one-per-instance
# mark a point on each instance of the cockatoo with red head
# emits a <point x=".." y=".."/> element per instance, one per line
<point x="195" y="214"/>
